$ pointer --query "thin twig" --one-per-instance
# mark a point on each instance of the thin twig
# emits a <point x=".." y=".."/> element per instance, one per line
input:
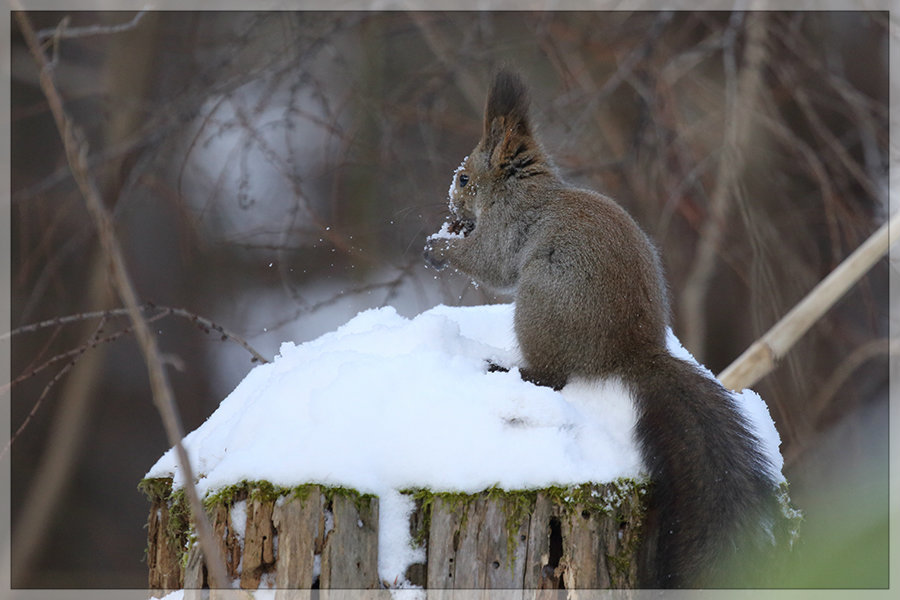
<point x="76" y="155"/>
<point x="70" y="354"/>
<point x="391" y="286"/>
<point x="41" y="352"/>
<point x="202" y="322"/>
<point x="62" y="372"/>
<point x="62" y="32"/>
<point x="761" y="357"/>
<point x="64" y="320"/>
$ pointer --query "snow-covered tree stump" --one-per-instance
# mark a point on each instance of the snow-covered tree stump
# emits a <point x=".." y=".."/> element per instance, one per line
<point x="417" y="386"/>
<point x="318" y="537"/>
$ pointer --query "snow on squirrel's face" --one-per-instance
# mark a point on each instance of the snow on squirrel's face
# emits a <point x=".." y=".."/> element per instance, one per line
<point x="461" y="200"/>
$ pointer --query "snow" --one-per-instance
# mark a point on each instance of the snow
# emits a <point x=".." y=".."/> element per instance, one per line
<point x="451" y="192"/>
<point x="444" y="233"/>
<point x="386" y="403"/>
<point x="239" y="518"/>
<point x="176" y="595"/>
<point x="396" y="552"/>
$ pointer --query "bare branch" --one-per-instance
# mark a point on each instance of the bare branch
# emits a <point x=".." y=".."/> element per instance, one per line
<point x="62" y="31"/>
<point x="71" y="355"/>
<point x="76" y="155"/>
<point x="46" y="390"/>
<point x="202" y="322"/>
<point x="390" y="286"/>
<point x="58" y="321"/>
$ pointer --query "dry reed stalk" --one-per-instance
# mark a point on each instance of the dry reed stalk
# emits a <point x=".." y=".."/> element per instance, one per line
<point x="763" y="355"/>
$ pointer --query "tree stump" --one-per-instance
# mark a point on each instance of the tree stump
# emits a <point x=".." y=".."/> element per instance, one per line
<point x="314" y="537"/>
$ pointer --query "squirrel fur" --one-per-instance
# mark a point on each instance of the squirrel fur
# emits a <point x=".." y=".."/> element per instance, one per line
<point x="591" y="301"/>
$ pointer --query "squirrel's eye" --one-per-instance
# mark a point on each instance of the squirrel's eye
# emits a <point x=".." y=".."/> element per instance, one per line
<point x="463" y="179"/>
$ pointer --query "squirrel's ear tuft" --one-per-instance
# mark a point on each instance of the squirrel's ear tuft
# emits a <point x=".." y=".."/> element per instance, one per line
<point x="508" y="99"/>
<point x="507" y="141"/>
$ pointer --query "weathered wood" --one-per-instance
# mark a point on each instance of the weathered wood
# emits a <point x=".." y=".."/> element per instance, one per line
<point x="441" y="568"/>
<point x="299" y="523"/>
<point x="417" y="573"/>
<point x="229" y="543"/>
<point x="258" y="555"/>
<point x="350" y="553"/>
<point x="542" y="541"/>
<point x="162" y="554"/>
<point x="474" y="546"/>
<point x="506" y="546"/>
<point x="585" y="567"/>
<point x="543" y="552"/>
<point x="601" y="544"/>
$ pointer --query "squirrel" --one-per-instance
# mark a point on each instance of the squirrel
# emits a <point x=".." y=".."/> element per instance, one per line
<point x="591" y="301"/>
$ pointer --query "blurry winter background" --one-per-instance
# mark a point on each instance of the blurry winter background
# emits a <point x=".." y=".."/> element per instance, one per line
<point x="278" y="172"/>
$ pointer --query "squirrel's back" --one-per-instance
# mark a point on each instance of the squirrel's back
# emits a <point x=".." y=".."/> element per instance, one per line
<point x="606" y="285"/>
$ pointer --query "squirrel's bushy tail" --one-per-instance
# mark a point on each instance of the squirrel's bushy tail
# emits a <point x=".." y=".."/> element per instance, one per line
<point x="714" y="497"/>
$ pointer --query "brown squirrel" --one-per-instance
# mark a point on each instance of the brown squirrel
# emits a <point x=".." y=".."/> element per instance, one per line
<point x="591" y="301"/>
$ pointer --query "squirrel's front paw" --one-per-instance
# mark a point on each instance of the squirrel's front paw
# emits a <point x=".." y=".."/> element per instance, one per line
<point x="435" y="254"/>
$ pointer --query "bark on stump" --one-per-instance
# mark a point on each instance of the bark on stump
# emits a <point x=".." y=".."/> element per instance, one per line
<point x="584" y="537"/>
